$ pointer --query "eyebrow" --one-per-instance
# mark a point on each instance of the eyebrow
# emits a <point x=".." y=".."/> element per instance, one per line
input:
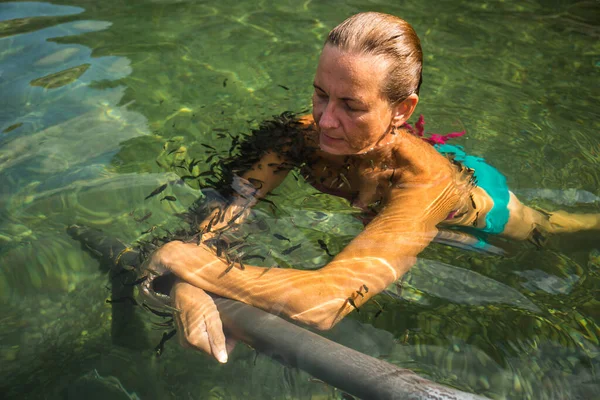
<point x="342" y="98"/>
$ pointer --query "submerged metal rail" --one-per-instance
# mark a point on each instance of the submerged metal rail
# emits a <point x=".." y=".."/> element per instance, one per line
<point x="348" y="370"/>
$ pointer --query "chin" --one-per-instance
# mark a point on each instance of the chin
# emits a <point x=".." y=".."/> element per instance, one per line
<point x="331" y="150"/>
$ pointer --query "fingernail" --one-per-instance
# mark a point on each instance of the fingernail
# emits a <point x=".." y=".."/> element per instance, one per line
<point x="222" y="356"/>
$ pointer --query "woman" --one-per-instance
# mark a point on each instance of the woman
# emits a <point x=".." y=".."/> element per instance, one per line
<point x="366" y="88"/>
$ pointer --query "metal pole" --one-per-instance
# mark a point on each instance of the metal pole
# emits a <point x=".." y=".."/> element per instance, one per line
<point x="348" y="370"/>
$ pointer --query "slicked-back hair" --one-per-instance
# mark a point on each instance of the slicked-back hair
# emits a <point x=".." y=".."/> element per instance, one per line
<point x="378" y="34"/>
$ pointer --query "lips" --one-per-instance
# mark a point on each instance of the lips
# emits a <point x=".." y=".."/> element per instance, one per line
<point x="331" y="137"/>
<point x="328" y="140"/>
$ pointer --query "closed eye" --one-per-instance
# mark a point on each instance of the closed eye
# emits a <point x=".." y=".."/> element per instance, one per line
<point x="350" y="108"/>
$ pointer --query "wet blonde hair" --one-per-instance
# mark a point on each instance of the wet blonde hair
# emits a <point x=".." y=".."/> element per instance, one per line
<point x="379" y="34"/>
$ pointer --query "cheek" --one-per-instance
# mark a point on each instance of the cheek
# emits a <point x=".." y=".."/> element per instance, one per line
<point x="364" y="133"/>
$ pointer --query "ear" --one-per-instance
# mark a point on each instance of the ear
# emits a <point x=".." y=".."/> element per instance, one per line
<point x="401" y="112"/>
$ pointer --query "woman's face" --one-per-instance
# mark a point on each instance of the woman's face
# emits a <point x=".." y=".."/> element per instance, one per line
<point x="350" y="111"/>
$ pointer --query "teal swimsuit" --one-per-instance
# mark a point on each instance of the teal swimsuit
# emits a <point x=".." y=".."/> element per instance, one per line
<point x="490" y="180"/>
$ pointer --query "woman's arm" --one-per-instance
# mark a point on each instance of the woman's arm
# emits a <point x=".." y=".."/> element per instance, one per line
<point x="259" y="180"/>
<point x="381" y="254"/>
<point x="253" y="185"/>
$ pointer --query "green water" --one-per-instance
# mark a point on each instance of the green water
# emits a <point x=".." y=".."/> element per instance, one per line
<point x="99" y="100"/>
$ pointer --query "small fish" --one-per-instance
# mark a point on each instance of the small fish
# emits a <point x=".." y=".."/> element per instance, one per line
<point x="208" y="146"/>
<point x="122" y="300"/>
<point x="267" y="201"/>
<point x="161" y="346"/>
<point x="345" y="180"/>
<point x="251" y="256"/>
<point x="323" y="246"/>
<point x="181" y="165"/>
<point x="149" y="230"/>
<point x="212" y="221"/>
<point x="156" y="191"/>
<point x="236" y="216"/>
<point x="14" y="126"/>
<point x="392" y="178"/>
<point x="353" y="304"/>
<point x="476" y="219"/>
<point x="169" y="198"/>
<point x="137" y="281"/>
<point x="284" y="87"/>
<point x="473" y="202"/>
<point x="209" y="159"/>
<point x="145" y="217"/>
<point x="164" y="324"/>
<point x="281" y="237"/>
<point x="378" y="313"/>
<point x="156" y="312"/>
<point x="229" y="267"/>
<point x="256" y="182"/>
<point x="288" y="251"/>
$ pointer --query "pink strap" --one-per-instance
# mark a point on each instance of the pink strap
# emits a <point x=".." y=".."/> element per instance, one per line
<point x="434" y="138"/>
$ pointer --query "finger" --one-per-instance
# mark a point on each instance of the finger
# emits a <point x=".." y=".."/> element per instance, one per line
<point x="190" y="321"/>
<point x="194" y="330"/>
<point x="216" y="337"/>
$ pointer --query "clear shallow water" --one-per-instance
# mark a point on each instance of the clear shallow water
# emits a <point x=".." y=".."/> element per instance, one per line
<point x="98" y="101"/>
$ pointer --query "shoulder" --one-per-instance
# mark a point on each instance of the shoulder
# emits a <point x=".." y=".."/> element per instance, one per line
<point x="418" y="161"/>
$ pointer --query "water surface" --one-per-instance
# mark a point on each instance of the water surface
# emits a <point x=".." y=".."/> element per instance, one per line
<point x="99" y="101"/>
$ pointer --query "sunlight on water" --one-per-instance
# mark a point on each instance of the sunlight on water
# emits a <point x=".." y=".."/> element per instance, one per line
<point x="102" y="102"/>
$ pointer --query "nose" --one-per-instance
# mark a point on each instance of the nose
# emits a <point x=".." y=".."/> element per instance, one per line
<point x="328" y="119"/>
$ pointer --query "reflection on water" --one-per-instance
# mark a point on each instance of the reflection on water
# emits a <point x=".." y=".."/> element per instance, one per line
<point x="101" y="101"/>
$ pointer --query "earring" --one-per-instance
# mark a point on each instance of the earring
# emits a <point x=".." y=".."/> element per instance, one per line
<point x="394" y="129"/>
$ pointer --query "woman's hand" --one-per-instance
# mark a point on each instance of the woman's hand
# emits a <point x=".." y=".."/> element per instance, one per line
<point x="199" y="324"/>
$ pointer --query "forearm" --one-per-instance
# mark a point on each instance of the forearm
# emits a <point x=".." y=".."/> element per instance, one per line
<point x="319" y="298"/>
<point x="288" y="292"/>
<point x="380" y="255"/>
<point x="266" y="174"/>
<point x="253" y="185"/>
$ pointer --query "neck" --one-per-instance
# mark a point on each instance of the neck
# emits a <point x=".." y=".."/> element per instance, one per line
<point x="383" y="149"/>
